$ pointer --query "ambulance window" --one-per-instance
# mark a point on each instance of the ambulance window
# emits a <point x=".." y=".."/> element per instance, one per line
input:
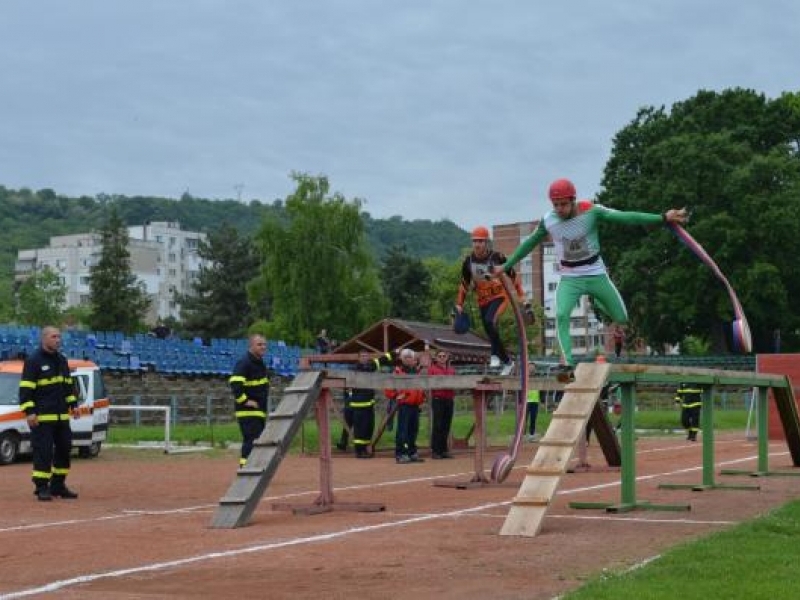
<point x="9" y="389"/>
<point x="99" y="386"/>
<point x="81" y="382"/>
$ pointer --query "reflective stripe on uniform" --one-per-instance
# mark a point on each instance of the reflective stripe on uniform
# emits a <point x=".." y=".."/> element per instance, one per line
<point x="250" y="413"/>
<point x="367" y="404"/>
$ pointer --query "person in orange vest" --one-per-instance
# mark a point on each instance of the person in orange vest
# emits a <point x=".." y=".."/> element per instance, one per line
<point x="408" y="409"/>
<point x="476" y="272"/>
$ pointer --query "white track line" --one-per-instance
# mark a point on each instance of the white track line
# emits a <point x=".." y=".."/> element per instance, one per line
<point x="159" y="566"/>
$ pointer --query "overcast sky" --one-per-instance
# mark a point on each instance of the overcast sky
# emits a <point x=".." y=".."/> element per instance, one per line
<point x="458" y="109"/>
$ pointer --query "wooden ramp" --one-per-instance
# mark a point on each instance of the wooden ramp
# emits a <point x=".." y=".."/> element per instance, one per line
<point x="787" y="410"/>
<point x="244" y="494"/>
<point x="555" y="449"/>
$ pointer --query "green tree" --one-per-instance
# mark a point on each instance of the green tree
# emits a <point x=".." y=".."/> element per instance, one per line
<point x="218" y="305"/>
<point x="316" y="269"/>
<point x="41" y="298"/>
<point x="444" y="278"/>
<point x="732" y="159"/>
<point x="407" y="285"/>
<point x="119" y="302"/>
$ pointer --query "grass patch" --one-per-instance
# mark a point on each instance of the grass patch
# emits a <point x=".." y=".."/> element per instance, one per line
<point x="753" y="560"/>
<point x="499" y="429"/>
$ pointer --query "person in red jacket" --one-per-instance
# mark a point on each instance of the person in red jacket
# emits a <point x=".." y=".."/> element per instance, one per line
<point x="441" y="407"/>
<point x="408" y="408"/>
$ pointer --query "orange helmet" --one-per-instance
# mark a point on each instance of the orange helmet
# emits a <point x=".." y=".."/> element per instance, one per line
<point x="562" y="189"/>
<point x="480" y="233"/>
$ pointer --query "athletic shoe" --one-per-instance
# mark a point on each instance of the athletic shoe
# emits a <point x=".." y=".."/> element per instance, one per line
<point x="416" y="458"/>
<point x="402" y="459"/>
<point x="494" y="361"/>
<point x="507" y="368"/>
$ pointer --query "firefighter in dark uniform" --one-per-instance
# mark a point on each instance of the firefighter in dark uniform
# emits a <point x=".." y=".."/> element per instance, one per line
<point x="690" y="398"/>
<point x="361" y="402"/>
<point x="250" y="386"/>
<point x="47" y="397"/>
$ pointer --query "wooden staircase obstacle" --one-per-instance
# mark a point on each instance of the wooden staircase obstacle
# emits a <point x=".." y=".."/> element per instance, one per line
<point x="237" y="505"/>
<point x="550" y="462"/>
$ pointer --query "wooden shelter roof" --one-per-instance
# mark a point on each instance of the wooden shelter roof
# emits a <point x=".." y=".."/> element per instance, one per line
<point x="391" y="335"/>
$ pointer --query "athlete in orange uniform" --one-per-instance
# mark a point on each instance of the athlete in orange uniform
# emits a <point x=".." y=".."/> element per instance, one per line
<point x="476" y="273"/>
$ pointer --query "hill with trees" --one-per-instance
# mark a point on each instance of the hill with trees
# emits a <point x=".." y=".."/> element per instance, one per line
<point x="30" y="218"/>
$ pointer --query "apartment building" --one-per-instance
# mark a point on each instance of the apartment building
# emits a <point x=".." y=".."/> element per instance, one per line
<point x="162" y="256"/>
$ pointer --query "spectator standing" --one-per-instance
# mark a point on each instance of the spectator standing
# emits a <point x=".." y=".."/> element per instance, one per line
<point x="690" y="399"/>
<point x="532" y="410"/>
<point x="323" y="342"/>
<point x="47" y="397"/>
<point x="408" y="409"/>
<point x="442" y="404"/>
<point x="249" y="384"/>
<point x="360" y="402"/>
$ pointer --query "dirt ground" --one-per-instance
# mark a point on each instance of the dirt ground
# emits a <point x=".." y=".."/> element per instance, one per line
<point x="140" y="528"/>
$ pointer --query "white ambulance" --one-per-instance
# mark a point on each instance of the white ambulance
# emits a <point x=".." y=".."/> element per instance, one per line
<point x="88" y="431"/>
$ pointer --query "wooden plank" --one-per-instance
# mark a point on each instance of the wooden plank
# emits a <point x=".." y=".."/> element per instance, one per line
<point x="543" y="475"/>
<point x="524" y="520"/>
<point x="545" y="471"/>
<point x="566" y="415"/>
<point x="787" y="411"/>
<point x="557" y="442"/>
<point x="242" y="497"/>
<point x="606" y="436"/>
<point x="531" y="501"/>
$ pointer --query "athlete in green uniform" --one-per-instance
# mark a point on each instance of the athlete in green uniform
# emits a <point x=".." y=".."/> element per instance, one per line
<point x="572" y="225"/>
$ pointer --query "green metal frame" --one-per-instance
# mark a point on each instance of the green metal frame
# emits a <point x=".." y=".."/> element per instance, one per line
<point x="628" y="375"/>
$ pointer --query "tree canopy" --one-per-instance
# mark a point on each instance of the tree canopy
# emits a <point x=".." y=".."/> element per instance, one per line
<point x="218" y="305"/>
<point x="732" y="159"/>
<point x="316" y="268"/>
<point x="119" y="302"/>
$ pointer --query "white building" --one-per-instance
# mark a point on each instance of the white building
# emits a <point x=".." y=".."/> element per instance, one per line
<point x="162" y="256"/>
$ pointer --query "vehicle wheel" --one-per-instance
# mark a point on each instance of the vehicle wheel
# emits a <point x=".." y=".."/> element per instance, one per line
<point x="89" y="451"/>
<point x="9" y="447"/>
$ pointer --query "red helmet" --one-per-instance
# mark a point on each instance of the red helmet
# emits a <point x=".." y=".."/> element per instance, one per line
<point x="562" y="189"/>
<point x="480" y="233"/>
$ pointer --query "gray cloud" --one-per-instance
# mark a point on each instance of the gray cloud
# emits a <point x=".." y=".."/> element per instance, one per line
<point x="424" y="109"/>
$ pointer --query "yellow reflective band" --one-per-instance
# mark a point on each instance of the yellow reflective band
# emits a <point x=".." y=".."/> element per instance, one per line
<point x="27" y="384"/>
<point x="26" y="405"/>
<point x="52" y="381"/>
<point x="41" y="474"/>
<point x="53" y="418"/>
<point x="360" y="441"/>
<point x="241" y="399"/>
<point x="368" y="404"/>
<point x="236" y="379"/>
<point x="58" y="471"/>
<point x="250" y="413"/>
<point x="255" y="382"/>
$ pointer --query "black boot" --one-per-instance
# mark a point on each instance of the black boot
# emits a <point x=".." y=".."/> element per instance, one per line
<point x="59" y="489"/>
<point x="42" y="493"/>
